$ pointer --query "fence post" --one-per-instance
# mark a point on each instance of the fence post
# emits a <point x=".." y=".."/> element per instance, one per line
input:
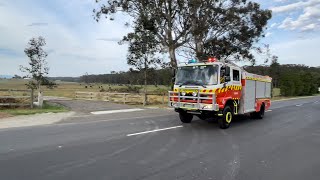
<point x="124" y="98"/>
<point x="108" y="97"/>
<point x="32" y="98"/>
<point x="163" y="98"/>
<point x="142" y="99"/>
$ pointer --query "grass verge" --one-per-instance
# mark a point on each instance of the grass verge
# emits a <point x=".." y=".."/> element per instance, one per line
<point x="279" y="98"/>
<point x="47" y="108"/>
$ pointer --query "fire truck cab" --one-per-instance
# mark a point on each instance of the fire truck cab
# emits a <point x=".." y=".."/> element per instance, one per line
<point x="218" y="89"/>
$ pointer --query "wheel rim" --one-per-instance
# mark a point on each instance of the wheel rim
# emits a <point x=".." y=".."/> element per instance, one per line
<point x="228" y="117"/>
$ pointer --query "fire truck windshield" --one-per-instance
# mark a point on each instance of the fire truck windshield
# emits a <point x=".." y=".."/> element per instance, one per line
<point x="197" y="75"/>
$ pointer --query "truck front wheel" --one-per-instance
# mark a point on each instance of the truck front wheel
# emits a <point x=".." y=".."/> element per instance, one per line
<point x="226" y="119"/>
<point x="185" y="117"/>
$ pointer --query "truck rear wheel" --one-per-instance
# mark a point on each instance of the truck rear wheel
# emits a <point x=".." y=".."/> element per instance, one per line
<point x="185" y="117"/>
<point x="259" y="114"/>
<point x="226" y="119"/>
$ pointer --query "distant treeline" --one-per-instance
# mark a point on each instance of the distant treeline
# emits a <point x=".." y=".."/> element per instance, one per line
<point x="155" y="77"/>
<point x="66" y="79"/>
<point x="293" y="80"/>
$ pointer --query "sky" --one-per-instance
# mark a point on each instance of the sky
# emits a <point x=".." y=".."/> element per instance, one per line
<point x="77" y="44"/>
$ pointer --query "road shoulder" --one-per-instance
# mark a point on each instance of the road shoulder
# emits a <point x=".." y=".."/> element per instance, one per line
<point x="34" y="120"/>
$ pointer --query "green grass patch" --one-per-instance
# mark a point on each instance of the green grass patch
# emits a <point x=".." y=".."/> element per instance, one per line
<point x="276" y="92"/>
<point x="290" y="97"/>
<point x="47" y="108"/>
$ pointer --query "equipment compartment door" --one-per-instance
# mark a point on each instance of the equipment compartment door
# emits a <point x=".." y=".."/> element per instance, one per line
<point x="250" y="96"/>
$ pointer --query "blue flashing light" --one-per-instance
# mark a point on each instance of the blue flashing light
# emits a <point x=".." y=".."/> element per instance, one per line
<point x="192" y="61"/>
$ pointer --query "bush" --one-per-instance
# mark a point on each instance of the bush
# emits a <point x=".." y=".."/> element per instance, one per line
<point x="102" y="89"/>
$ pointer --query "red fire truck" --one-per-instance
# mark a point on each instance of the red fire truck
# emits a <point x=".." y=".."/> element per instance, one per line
<point x="218" y="89"/>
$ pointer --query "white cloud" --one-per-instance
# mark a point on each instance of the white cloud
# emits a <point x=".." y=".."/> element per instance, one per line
<point x="299" y="51"/>
<point x="308" y="20"/>
<point x="281" y="1"/>
<point x="268" y="34"/>
<point x="273" y="25"/>
<point x="309" y="27"/>
<point x="72" y="39"/>
<point x="295" y="6"/>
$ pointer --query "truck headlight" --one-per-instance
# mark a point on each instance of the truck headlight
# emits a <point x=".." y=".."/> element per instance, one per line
<point x="194" y="93"/>
<point x="209" y="106"/>
<point x="183" y="93"/>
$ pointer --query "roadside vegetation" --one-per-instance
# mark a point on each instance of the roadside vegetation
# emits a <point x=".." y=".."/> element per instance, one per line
<point x="68" y="89"/>
<point x="291" y="79"/>
<point x="46" y="108"/>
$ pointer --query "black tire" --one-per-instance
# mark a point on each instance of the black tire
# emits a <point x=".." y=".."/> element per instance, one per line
<point x="227" y="117"/>
<point x="185" y="117"/>
<point x="260" y="114"/>
<point x="253" y="115"/>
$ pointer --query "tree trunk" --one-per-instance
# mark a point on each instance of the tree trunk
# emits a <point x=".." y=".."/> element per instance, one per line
<point x="173" y="59"/>
<point x="40" y="97"/>
<point x="173" y="65"/>
<point x="32" y="98"/>
<point x="145" y="100"/>
<point x="199" y="48"/>
<point x="197" y="35"/>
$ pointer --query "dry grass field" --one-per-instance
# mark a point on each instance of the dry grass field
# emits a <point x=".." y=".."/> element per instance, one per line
<point x="68" y="89"/>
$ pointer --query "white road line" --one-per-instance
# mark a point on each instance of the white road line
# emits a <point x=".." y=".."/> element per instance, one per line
<point x="115" y="111"/>
<point x="156" y="130"/>
<point x="298" y="105"/>
<point x="104" y="120"/>
<point x="269" y="110"/>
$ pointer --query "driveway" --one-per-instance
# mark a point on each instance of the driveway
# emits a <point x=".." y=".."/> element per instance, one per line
<point x="85" y="106"/>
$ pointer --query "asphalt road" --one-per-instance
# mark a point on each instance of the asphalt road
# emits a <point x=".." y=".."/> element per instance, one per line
<point x="284" y="145"/>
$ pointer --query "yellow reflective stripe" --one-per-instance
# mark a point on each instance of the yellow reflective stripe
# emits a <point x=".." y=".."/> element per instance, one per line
<point x="258" y="79"/>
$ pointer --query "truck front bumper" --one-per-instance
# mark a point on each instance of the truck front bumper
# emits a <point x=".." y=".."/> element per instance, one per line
<point x="194" y="106"/>
<point x="181" y="102"/>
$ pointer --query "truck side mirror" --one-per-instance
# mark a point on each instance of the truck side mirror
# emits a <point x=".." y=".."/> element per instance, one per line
<point x="227" y="74"/>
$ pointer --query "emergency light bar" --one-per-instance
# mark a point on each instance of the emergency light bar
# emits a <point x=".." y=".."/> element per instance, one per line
<point x="212" y="59"/>
<point x="192" y="61"/>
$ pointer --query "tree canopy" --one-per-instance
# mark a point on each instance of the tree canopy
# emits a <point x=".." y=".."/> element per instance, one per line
<point x="38" y="67"/>
<point x="220" y="28"/>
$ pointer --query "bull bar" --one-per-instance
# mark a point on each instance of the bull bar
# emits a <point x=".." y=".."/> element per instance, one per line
<point x="173" y="95"/>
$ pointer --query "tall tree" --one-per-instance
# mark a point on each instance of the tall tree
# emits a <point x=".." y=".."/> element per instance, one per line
<point x="38" y="67"/>
<point x="143" y="49"/>
<point x="220" y="28"/>
<point x="164" y="18"/>
<point x="226" y="28"/>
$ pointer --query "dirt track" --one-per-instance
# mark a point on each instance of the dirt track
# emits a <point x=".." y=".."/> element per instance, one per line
<point x="83" y="106"/>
